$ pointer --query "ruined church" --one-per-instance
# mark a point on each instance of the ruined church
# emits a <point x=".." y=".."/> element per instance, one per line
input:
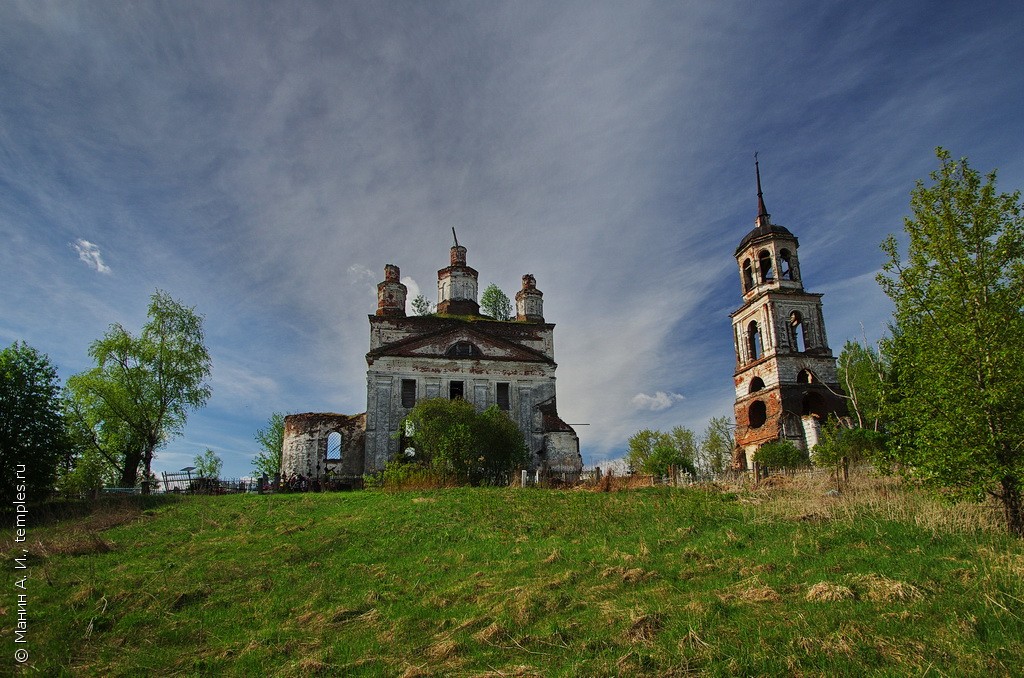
<point x="455" y="353"/>
<point x="786" y="382"/>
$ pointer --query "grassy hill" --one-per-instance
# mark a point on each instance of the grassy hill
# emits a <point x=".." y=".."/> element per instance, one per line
<point x="777" y="580"/>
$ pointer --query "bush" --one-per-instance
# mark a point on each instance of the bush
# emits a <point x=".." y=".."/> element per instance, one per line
<point x="461" y="446"/>
<point x="781" y="455"/>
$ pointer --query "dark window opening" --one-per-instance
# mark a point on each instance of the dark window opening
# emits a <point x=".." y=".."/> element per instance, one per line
<point x="764" y="258"/>
<point x="748" y="276"/>
<point x="755" y="347"/>
<point x="756" y="384"/>
<point x="333" y="446"/>
<point x="797" y="332"/>
<point x="463" y="349"/>
<point x="757" y="414"/>
<point x="503" y="397"/>
<point x="785" y="265"/>
<point x="408" y="393"/>
<point x="814" y="404"/>
<point x="806" y="377"/>
<point x="456" y="390"/>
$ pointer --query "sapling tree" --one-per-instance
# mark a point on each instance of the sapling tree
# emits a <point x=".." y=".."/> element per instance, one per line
<point x="956" y="399"/>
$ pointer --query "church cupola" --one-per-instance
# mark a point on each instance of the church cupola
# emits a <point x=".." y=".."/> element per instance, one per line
<point x="530" y="301"/>
<point x="457" y="285"/>
<point x="391" y="293"/>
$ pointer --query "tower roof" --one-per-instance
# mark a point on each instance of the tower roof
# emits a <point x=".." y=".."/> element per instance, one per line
<point x="763" y="226"/>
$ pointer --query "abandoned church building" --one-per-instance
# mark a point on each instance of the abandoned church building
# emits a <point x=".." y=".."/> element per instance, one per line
<point x="455" y="353"/>
<point x="785" y="379"/>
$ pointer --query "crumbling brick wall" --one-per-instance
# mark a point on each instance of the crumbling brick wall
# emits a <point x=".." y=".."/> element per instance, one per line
<point x="305" y="445"/>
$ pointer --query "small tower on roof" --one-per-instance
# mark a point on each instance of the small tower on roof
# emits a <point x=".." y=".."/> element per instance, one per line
<point x="391" y="293"/>
<point x="457" y="284"/>
<point x="786" y="383"/>
<point x="530" y="301"/>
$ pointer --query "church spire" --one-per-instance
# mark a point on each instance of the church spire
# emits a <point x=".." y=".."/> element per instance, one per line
<point x="763" y="218"/>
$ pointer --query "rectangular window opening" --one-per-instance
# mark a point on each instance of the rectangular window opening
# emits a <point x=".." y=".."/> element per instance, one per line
<point x="456" y="390"/>
<point x="503" y="397"/>
<point x="408" y="393"/>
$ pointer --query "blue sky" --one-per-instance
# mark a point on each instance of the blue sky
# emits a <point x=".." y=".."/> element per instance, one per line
<point x="263" y="161"/>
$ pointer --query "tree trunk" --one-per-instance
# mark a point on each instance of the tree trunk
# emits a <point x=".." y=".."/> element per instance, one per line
<point x="130" y="472"/>
<point x="1013" y="508"/>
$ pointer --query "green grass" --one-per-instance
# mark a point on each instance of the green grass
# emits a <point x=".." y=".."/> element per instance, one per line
<point x="525" y="582"/>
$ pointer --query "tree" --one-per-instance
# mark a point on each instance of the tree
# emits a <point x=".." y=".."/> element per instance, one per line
<point x="140" y="392"/>
<point x="32" y="430"/>
<point x="463" y="446"/>
<point x="781" y="455"/>
<point x="956" y="400"/>
<point x="208" y="464"/>
<point x="494" y="303"/>
<point x="862" y="374"/>
<point x="271" y="439"/>
<point x="714" y="451"/>
<point x="841" y="444"/>
<point x="656" y="452"/>
<point x="422" y="306"/>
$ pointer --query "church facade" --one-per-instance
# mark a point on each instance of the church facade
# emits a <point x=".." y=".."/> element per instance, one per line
<point x="785" y="379"/>
<point x="455" y="353"/>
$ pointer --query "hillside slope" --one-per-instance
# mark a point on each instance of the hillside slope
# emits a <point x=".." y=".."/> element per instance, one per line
<point x="525" y="582"/>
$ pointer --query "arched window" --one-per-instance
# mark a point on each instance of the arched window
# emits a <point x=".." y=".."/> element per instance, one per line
<point x="814" y="404"/>
<point x="757" y="414"/>
<point x="806" y="377"/>
<point x="463" y="349"/>
<point x="333" y="446"/>
<point x="785" y="265"/>
<point x="755" y="348"/>
<point x="764" y="260"/>
<point x="756" y="384"/>
<point x="748" y="275"/>
<point x="797" y="332"/>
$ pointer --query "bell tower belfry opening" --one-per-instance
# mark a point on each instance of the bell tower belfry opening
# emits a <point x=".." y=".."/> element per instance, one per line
<point x="785" y="379"/>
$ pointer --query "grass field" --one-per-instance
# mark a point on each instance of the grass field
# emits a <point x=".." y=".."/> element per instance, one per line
<point x="514" y="582"/>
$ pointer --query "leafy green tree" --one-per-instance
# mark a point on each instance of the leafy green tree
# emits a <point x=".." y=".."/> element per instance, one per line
<point x="271" y="439"/>
<point x="32" y="430"/>
<point x="714" y="451"/>
<point x="956" y="398"/>
<point x="140" y="392"/>
<point x="208" y="464"/>
<point x="463" y="446"/>
<point x="422" y="306"/>
<point x="781" y="455"/>
<point x="88" y="476"/>
<point x="495" y="303"/>
<point x="656" y="452"/>
<point x="841" y="444"/>
<point x="862" y="374"/>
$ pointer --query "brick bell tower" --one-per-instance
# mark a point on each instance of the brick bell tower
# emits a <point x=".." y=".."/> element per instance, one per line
<point x="786" y="384"/>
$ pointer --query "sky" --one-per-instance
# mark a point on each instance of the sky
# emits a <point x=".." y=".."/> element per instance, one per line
<point x="263" y="161"/>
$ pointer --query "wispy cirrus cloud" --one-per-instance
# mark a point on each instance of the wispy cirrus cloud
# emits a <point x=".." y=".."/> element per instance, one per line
<point x="89" y="253"/>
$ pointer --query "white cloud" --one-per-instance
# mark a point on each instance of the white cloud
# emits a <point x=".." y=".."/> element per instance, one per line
<point x="657" y="402"/>
<point x="90" y="254"/>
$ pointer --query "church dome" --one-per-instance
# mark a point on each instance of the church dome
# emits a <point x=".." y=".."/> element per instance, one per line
<point x="763" y="230"/>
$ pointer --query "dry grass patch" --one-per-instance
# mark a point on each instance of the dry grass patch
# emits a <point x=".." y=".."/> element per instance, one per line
<point x="643" y="627"/>
<point x="827" y="592"/>
<point x="882" y="589"/>
<point x="630" y="575"/>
